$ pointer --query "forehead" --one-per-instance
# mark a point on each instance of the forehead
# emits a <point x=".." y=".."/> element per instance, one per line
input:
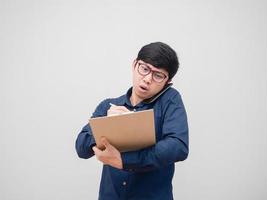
<point x="153" y="67"/>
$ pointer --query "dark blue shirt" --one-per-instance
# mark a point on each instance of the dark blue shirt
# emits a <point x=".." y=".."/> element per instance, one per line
<point x="147" y="173"/>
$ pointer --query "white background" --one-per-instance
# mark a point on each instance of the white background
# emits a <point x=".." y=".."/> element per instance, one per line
<point x="59" y="59"/>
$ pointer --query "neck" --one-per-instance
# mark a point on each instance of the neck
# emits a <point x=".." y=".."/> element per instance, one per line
<point x="135" y="99"/>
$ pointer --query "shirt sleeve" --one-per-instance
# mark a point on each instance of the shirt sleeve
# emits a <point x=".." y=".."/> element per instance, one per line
<point x="85" y="140"/>
<point x="173" y="146"/>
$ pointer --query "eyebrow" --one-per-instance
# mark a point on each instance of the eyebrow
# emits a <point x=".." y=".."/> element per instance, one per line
<point x="153" y="69"/>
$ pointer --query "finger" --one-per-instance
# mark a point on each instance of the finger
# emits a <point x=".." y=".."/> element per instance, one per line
<point x="118" y="107"/>
<point x="122" y="108"/>
<point x="97" y="151"/>
<point x="117" y="110"/>
<point x="112" y="112"/>
<point x="105" y="142"/>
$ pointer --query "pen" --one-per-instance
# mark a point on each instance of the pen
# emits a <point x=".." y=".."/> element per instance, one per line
<point x="124" y="112"/>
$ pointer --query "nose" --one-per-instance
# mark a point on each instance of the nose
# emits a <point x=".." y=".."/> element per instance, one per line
<point x="148" y="78"/>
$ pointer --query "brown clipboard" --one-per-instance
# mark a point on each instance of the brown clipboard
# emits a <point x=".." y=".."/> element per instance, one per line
<point x="127" y="132"/>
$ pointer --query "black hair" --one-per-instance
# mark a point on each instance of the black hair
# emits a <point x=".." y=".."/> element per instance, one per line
<point x="161" y="56"/>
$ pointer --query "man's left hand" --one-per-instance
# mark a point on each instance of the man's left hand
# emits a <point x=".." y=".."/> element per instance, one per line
<point x="109" y="156"/>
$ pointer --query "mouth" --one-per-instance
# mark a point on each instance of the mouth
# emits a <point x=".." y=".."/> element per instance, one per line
<point x="143" y="88"/>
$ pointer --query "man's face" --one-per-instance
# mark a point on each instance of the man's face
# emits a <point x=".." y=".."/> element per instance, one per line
<point x="147" y="79"/>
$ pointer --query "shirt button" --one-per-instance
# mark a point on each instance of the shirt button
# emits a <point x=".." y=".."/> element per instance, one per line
<point x="124" y="183"/>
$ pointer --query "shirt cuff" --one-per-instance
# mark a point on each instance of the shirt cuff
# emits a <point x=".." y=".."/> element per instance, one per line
<point x="129" y="160"/>
<point x="92" y="143"/>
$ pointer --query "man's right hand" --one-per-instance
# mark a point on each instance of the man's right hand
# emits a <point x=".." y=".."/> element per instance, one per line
<point x="117" y="110"/>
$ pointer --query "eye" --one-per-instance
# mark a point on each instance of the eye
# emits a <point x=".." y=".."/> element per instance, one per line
<point x="144" y="68"/>
<point x="159" y="76"/>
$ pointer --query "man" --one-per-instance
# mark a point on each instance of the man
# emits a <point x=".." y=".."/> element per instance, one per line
<point x="144" y="174"/>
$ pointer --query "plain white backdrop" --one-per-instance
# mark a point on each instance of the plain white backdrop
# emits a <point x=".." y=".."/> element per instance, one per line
<point x="59" y="59"/>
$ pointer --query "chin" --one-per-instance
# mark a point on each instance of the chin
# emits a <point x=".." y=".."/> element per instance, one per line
<point x="144" y="96"/>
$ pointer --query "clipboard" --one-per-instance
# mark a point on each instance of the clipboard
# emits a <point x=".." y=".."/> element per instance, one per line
<point x="127" y="132"/>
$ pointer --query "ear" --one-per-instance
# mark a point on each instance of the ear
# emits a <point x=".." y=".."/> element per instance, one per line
<point x="134" y="63"/>
<point x="168" y="82"/>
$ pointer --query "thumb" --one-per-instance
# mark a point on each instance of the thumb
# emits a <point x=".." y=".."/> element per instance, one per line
<point x="96" y="150"/>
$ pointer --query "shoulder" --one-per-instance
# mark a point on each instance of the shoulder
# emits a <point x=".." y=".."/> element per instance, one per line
<point x="170" y="101"/>
<point x="117" y="101"/>
<point x="171" y="95"/>
<point x="102" y="108"/>
<point x="171" y="104"/>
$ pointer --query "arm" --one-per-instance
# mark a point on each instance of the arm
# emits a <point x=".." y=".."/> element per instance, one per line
<point x="172" y="148"/>
<point x="85" y="140"/>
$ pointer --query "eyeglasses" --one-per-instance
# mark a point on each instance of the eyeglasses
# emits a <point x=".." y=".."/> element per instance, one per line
<point x="144" y="70"/>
